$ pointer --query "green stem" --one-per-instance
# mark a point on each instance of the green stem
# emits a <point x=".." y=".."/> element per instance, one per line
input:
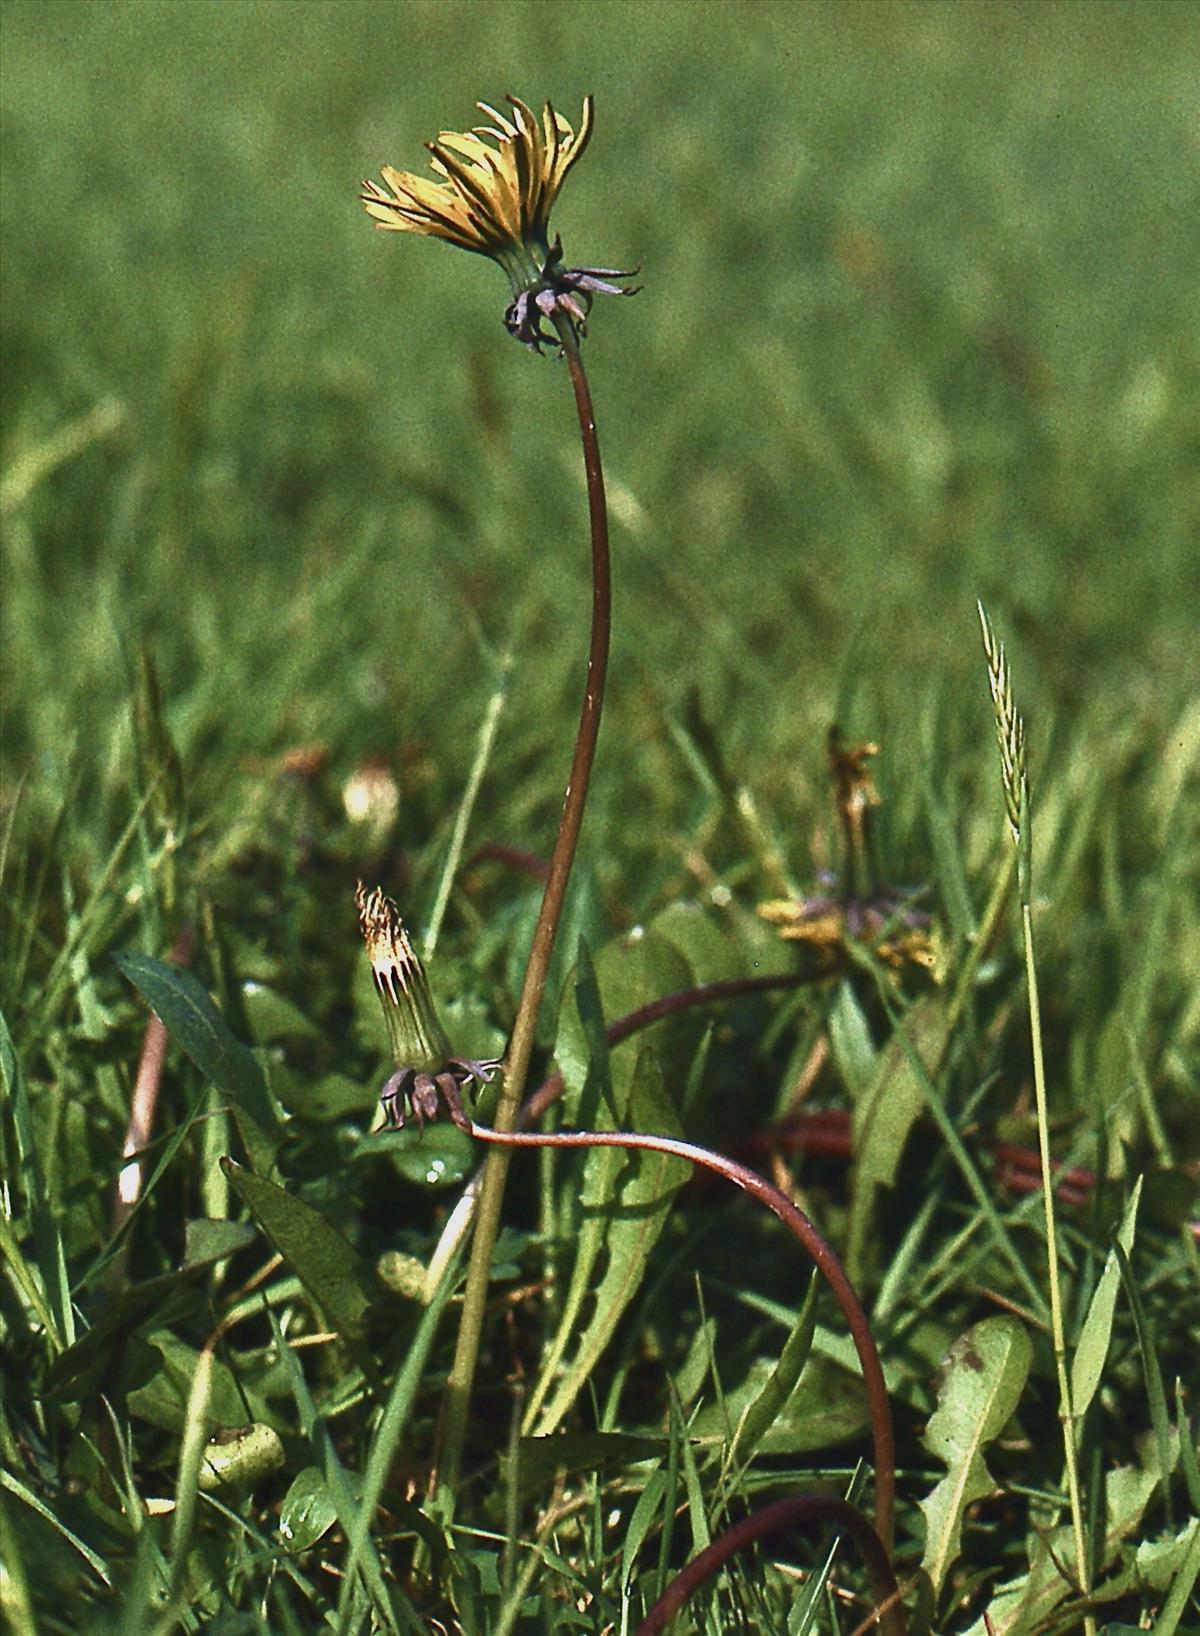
<point x="520" y="1049"/>
<point x="1057" y="1330"/>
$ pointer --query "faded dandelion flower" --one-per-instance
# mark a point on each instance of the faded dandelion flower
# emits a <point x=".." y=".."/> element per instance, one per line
<point x="494" y="189"/>
<point x="427" y="1074"/>
<point x="884" y="919"/>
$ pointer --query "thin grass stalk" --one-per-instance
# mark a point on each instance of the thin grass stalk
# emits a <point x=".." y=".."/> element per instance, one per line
<point x="812" y="1241"/>
<point x="520" y="1049"/>
<point x="483" y="751"/>
<point x="800" y="1510"/>
<point x="1057" y="1328"/>
<point x="1010" y="737"/>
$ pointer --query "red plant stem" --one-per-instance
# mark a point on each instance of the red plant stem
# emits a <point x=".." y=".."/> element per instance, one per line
<point x="803" y="1229"/>
<point x="801" y="1509"/>
<point x="143" y="1103"/>
<point x="633" y="1021"/>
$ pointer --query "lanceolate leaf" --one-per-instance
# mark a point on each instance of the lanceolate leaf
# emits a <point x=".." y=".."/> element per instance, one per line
<point x="329" y="1268"/>
<point x="1087" y="1366"/>
<point x="886" y="1111"/>
<point x="760" y="1414"/>
<point x="188" y="1014"/>
<point x="982" y="1380"/>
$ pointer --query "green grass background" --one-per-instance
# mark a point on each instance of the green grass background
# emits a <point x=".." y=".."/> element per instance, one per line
<point x="920" y="323"/>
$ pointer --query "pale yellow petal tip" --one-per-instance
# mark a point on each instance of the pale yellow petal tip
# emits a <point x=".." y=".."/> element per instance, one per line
<point x="394" y="961"/>
<point x="499" y="201"/>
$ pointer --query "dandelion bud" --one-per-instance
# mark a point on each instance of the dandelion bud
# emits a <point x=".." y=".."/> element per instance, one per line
<point x="428" y="1076"/>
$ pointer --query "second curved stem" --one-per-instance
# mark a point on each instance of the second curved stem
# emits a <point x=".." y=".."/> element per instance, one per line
<point x="802" y="1229"/>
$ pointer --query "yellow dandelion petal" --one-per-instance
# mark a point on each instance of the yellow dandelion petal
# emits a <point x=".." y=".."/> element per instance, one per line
<point x="492" y="187"/>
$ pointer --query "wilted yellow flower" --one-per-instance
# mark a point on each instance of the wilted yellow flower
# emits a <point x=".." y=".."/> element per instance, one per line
<point x="498" y="182"/>
<point x="495" y="187"/>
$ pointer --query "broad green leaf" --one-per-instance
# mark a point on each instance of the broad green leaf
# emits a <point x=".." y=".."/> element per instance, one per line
<point x="272" y="1016"/>
<point x="187" y="1012"/>
<point x="629" y="972"/>
<point x="307" y="1511"/>
<point x="329" y="1268"/>
<point x="440" y="1155"/>
<point x="1087" y="1365"/>
<point x="1127" y="1491"/>
<point x="827" y="1406"/>
<point x="981" y="1383"/>
<point x="1158" y="1561"/>
<point x="710" y="952"/>
<point x="161" y="1398"/>
<point x="1181" y="1559"/>
<point x="581" y="1045"/>
<point x="631" y="1200"/>
<point x="206" y="1241"/>
<point x="885" y="1113"/>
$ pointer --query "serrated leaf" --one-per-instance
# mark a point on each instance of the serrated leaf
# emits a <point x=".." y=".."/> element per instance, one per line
<point x="330" y="1269"/>
<point x="1087" y="1366"/>
<point x="187" y="1012"/>
<point x="631" y="1200"/>
<point x="981" y="1383"/>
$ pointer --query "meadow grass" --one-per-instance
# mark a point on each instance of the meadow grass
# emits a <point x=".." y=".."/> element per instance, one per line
<point x="281" y="502"/>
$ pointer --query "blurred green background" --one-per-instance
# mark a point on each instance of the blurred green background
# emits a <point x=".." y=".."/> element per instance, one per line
<point x="920" y="324"/>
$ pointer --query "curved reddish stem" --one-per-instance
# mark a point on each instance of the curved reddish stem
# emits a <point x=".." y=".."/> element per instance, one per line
<point x="801" y="1228"/>
<point x="683" y="1000"/>
<point x="802" y="1508"/>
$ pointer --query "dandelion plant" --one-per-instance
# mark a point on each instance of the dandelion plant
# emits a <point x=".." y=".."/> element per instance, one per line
<point x="494" y="189"/>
